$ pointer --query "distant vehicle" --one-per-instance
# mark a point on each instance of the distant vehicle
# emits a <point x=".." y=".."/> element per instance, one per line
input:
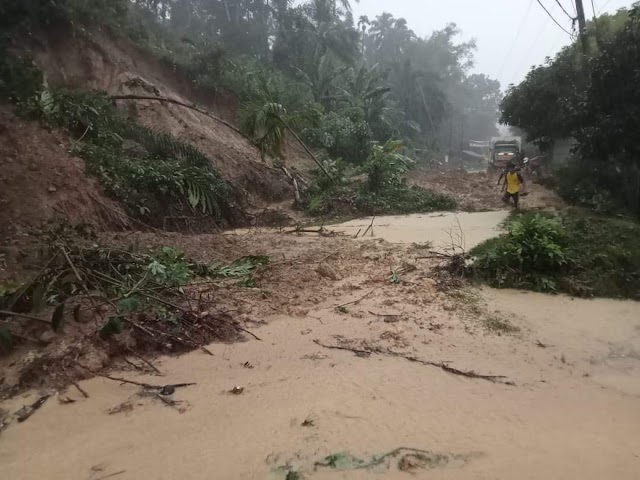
<point x="504" y="150"/>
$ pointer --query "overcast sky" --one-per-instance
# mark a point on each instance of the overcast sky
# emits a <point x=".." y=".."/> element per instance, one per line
<point x="511" y="35"/>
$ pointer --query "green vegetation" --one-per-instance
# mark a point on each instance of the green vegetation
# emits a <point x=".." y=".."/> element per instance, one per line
<point x="123" y="283"/>
<point x="153" y="174"/>
<point x="594" y="98"/>
<point x="577" y="252"/>
<point x="383" y="190"/>
<point x="306" y="71"/>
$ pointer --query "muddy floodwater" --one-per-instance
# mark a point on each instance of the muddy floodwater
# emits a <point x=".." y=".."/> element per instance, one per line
<point x="443" y="230"/>
<point x="566" y="404"/>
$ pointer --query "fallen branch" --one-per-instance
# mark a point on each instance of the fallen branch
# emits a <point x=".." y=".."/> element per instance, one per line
<point x="358" y="300"/>
<point x="207" y="351"/>
<point x="142" y="359"/>
<point x="306" y="149"/>
<point x="22" y="315"/>
<point x="111" y="475"/>
<point x="448" y="369"/>
<point x="80" y="389"/>
<point x="370" y="227"/>
<point x="148" y="386"/>
<point x="182" y="104"/>
<point x="441" y="365"/>
<point x="320" y="231"/>
<point x="25" y="412"/>
<point x="360" y="353"/>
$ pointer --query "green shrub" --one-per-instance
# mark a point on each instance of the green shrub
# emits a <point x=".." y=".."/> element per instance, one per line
<point x="578" y="253"/>
<point x="529" y="255"/>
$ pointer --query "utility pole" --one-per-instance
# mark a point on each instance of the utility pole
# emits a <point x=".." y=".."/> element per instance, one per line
<point x="582" y="26"/>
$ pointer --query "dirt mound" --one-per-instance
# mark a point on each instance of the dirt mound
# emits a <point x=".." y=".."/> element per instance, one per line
<point x="42" y="182"/>
<point x="102" y="62"/>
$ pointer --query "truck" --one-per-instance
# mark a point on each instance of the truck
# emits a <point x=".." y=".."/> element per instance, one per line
<point x="504" y="150"/>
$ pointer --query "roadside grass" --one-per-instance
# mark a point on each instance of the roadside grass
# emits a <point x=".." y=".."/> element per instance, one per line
<point x="575" y="252"/>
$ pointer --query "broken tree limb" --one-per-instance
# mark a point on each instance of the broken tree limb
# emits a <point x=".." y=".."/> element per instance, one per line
<point x="446" y="368"/>
<point x="148" y="386"/>
<point x="191" y="106"/>
<point x="360" y="353"/>
<point x="370" y="227"/>
<point x="144" y="360"/>
<point x="358" y="300"/>
<point x="306" y="149"/>
<point x="22" y="315"/>
<point x="80" y="389"/>
<point x="294" y="182"/>
<point x="411" y="358"/>
<point x="25" y="412"/>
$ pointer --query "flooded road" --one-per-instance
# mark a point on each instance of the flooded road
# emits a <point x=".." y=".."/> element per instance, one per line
<point x="571" y="409"/>
<point x="463" y="229"/>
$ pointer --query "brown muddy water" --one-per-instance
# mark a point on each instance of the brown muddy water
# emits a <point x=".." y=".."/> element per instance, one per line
<point x="573" y="410"/>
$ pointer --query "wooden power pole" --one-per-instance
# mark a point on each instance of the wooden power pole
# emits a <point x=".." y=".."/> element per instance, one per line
<point x="582" y="26"/>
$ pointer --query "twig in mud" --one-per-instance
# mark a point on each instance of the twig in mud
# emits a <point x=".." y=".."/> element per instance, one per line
<point x="360" y="353"/>
<point x="148" y="386"/>
<point x="448" y="369"/>
<point x="385" y="314"/>
<point x="370" y="227"/>
<point x="141" y="358"/>
<point x="321" y="231"/>
<point x="441" y="365"/>
<point x="207" y="351"/>
<point x="358" y="233"/>
<point x="542" y="345"/>
<point x="358" y="300"/>
<point x="80" y="389"/>
<point x="110" y="475"/>
<point x="25" y="412"/>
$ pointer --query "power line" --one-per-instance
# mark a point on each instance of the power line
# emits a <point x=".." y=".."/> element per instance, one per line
<point x="604" y="6"/>
<point x="552" y="18"/>
<point x="515" y="41"/>
<point x="565" y="11"/>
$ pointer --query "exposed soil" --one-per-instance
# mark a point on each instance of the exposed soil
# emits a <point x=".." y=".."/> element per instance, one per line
<point x="41" y="182"/>
<point x="564" y="401"/>
<point x="479" y="191"/>
<point x="572" y="364"/>
<point x="100" y="61"/>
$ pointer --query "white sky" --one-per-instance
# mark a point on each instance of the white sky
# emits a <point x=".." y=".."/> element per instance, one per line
<point x="512" y="35"/>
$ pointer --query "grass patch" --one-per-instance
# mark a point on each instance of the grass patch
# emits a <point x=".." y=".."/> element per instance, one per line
<point x="576" y="252"/>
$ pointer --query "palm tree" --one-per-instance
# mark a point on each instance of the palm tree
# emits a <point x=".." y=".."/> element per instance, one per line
<point x="263" y="118"/>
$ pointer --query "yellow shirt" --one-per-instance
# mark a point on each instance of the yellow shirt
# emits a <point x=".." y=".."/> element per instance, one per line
<point x="513" y="182"/>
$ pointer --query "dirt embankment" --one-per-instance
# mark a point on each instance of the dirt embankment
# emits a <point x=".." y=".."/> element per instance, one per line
<point x="103" y="62"/>
<point x="41" y="182"/>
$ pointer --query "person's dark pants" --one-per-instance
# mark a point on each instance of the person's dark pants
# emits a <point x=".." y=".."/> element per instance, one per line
<point x="508" y="196"/>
